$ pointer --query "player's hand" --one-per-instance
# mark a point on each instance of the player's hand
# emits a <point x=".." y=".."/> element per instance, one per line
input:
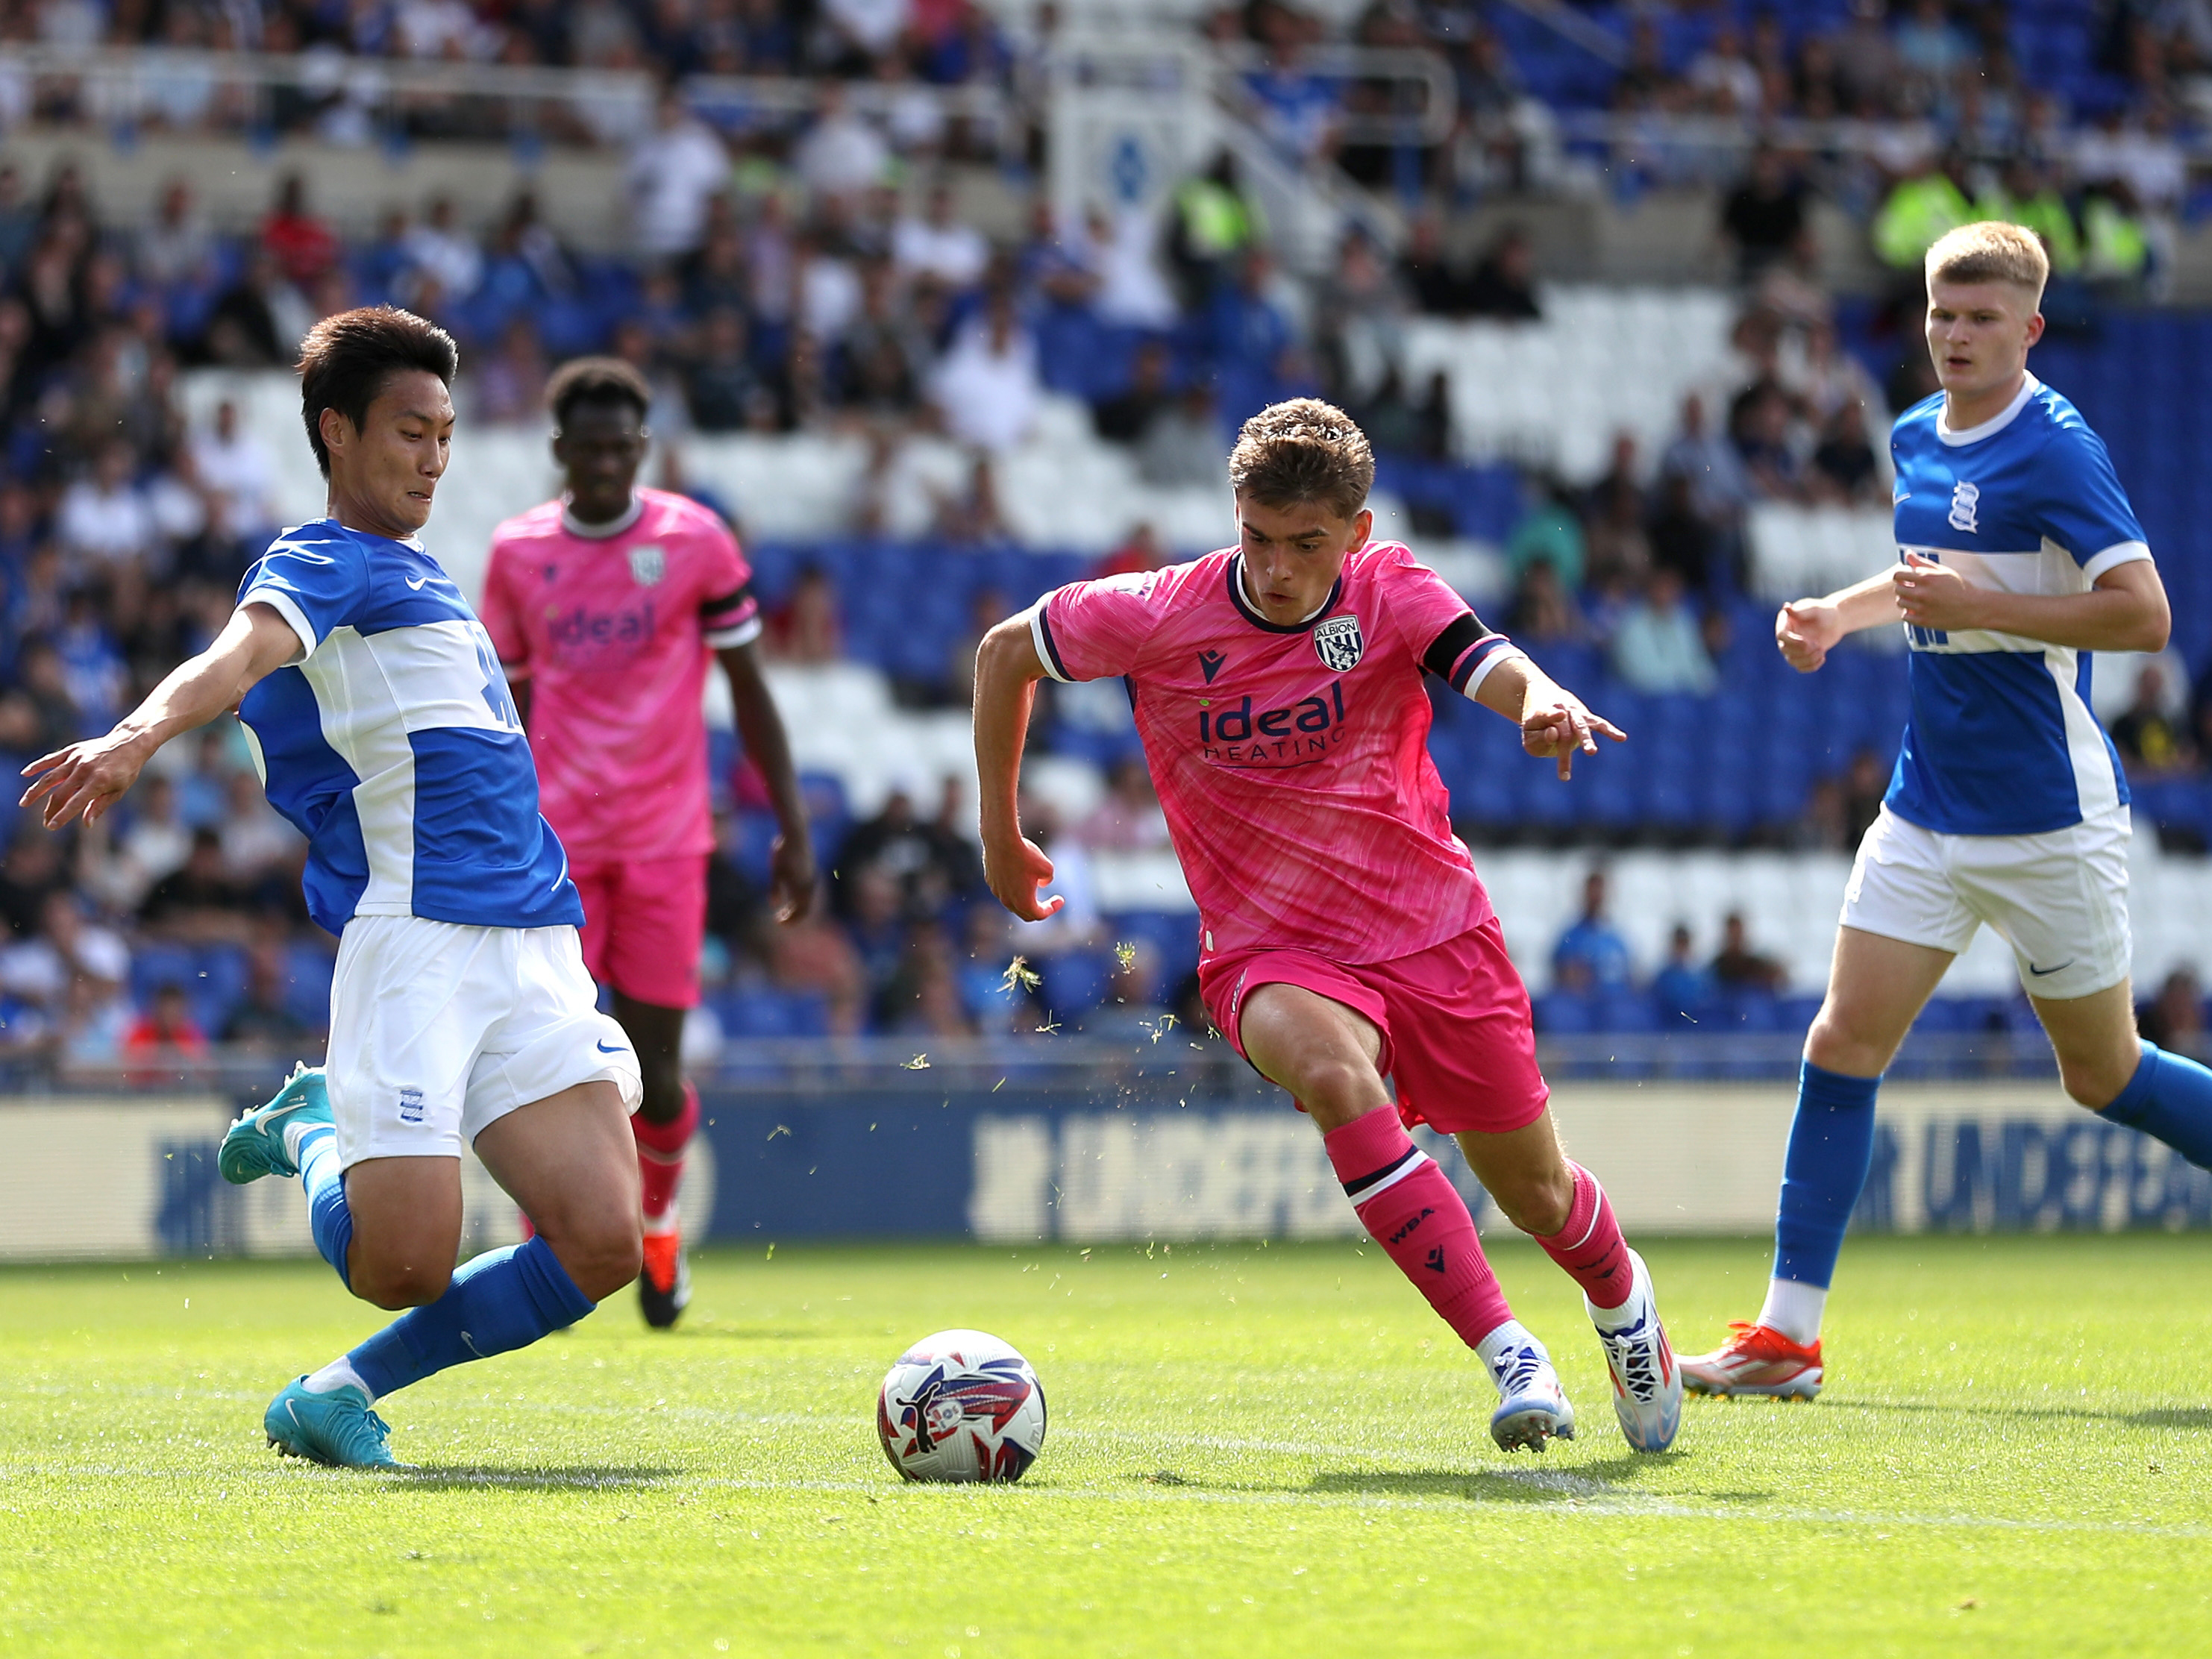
<point x="1556" y="726"/>
<point x="1806" y="631"/>
<point x="1014" y="870"/>
<point x="791" y="879"/>
<point x="1933" y="595"/>
<point x="84" y="779"/>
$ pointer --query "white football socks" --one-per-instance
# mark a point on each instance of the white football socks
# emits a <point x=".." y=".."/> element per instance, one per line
<point x="1794" y="1310"/>
<point x="1493" y="1347"/>
<point x="338" y="1374"/>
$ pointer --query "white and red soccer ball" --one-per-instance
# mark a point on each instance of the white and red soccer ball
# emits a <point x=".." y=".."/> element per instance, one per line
<point x="961" y="1406"/>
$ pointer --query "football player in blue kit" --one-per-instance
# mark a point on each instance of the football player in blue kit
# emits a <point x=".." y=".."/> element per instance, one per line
<point x="460" y="1009"/>
<point x="2018" y="555"/>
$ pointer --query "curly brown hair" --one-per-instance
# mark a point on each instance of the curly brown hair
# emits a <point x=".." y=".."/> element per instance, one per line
<point x="1304" y="450"/>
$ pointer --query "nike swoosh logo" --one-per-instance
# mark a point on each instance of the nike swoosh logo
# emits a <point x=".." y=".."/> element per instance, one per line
<point x="416" y="582"/>
<point x="618" y="1049"/>
<point x="2040" y="972"/>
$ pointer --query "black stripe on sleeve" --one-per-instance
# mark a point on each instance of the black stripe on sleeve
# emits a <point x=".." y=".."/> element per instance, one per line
<point x="1448" y="647"/>
<point x="1051" y="645"/>
<point x="728" y="604"/>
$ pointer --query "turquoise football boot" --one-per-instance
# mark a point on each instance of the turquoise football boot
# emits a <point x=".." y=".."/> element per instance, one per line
<point x="265" y="1141"/>
<point x="337" y="1429"/>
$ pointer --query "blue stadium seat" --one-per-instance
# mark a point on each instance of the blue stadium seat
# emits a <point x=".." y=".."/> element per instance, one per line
<point x="1075" y="982"/>
<point x="1565" y="1013"/>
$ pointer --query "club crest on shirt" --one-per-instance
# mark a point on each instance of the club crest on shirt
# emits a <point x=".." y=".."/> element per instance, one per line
<point x="1966" y="498"/>
<point x="1337" y="644"/>
<point x="648" y="563"/>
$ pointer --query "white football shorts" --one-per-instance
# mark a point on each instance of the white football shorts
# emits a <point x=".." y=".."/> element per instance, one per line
<point x="438" y="1030"/>
<point x="2060" y="899"/>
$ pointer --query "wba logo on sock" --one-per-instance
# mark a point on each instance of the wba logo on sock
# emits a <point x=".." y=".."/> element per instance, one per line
<point x="1401" y="1236"/>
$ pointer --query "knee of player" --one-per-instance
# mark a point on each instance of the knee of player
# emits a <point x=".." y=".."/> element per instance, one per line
<point x="603" y="1254"/>
<point x="1337" y="1091"/>
<point x="2095" y="1085"/>
<point x="1537" y="1204"/>
<point x="1833" y="1045"/>
<point x="395" y="1285"/>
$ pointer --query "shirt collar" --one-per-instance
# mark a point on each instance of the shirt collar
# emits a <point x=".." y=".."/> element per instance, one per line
<point x="600" y="532"/>
<point x="1251" y="612"/>
<point x="2029" y="386"/>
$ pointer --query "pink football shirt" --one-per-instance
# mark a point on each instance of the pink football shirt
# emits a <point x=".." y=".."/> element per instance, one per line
<point x="1292" y="761"/>
<point x="613" y="626"/>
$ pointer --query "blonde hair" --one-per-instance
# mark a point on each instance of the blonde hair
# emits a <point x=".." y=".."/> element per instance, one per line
<point x="1990" y="251"/>
<point x="1304" y="450"/>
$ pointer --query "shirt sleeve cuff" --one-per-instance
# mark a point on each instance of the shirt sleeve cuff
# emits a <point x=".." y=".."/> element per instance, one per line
<point x="2118" y="554"/>
<point x="1040" y="636"/>
<point x="1511" y="654"/>
<point x="284" y="604"/>
<point x="725" y="639"/>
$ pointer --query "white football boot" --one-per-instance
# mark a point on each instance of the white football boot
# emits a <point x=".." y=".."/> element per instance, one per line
<point x="1531" y="1406"/>
<point x="1647" y="1384"/>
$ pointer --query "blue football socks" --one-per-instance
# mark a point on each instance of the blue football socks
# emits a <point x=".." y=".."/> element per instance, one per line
<point x="2170" y="1099"/>
<point x="1831" y="1147"/>
<point x="324" y="1180"/>
<point x="503" y="1300"/>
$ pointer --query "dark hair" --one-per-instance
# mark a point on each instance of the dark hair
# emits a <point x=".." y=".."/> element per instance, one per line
<point x="596" y="380"/>
<point x="1304" y="450"/>
<point x="348" y="357"/>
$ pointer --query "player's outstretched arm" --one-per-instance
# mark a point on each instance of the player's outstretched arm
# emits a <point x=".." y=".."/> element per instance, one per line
<point x="1806" y="631"/>
<point x="2126" y="610"/>
<point x="1554" y="721"/>
<point x="85" y="778"/>
<point x="791" y="860"/>
<point x="1007" y="669"/>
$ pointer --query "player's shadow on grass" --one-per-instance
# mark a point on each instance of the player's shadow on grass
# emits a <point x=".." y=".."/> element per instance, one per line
<point x="1534" y="1484"/>
<point x="2156" y="1416"/>
<point x="599" y="1476"/>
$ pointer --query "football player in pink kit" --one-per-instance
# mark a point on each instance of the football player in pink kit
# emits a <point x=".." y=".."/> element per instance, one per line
<point x="1344" y="937"/>
<point x="605" y="607"/>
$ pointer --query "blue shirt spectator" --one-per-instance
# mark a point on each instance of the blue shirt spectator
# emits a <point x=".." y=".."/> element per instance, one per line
<point x="1592" y="955"/>
<point x="1681" y="988"/>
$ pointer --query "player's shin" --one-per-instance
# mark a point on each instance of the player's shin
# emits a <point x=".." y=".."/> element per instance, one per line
<point x="1414" y="1213"/>
<point x="2170" y="1099"/>
<point x="1830" y="1148"/>
<point x="503" y="1300"/>
<point x="1590" y="1247"/>
<point x="660" y="1158"/>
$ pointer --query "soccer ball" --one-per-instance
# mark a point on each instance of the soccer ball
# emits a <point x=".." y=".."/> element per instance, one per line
<point x="961" y="1406"/>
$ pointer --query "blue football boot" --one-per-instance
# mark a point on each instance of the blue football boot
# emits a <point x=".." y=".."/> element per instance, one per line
<point x="265" y="1141"/>
<point x="338" y="1429"/>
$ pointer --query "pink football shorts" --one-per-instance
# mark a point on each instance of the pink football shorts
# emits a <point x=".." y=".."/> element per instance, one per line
<point x="644" y="922"/>
<point x="1457" y="1038"/>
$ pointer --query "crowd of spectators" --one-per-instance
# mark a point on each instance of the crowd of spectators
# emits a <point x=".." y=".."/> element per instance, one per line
<point x="823" y="274"/>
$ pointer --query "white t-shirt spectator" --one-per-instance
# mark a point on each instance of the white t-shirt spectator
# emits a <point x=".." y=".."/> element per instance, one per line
<point x="427" y="27"/>
<point x="1131" y="290"/>
<point x="829" y="297"/>
<point x="109" y="525"/>
<point x="237" y="474"/>
<point x="841" y="154"/>
<point x="874" y="26"/>
<point x="672" y="172"/>
<point x="987" y="386"/>
<point x="450" y="256"/>
<point x="954" y="253"/>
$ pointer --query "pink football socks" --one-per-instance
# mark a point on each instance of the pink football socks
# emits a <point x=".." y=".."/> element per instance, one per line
<point x="660" y="1155"/>
<point x="1419" y="1219"/>
<point x="1590" y="1247"/>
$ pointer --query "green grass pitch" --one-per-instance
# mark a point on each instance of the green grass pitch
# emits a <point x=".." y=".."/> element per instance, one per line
<point x="1254" y="1451"/>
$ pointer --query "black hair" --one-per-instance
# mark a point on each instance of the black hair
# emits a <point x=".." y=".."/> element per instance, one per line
<point x="348" y="357"/>
<point x="596" y="380"/>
